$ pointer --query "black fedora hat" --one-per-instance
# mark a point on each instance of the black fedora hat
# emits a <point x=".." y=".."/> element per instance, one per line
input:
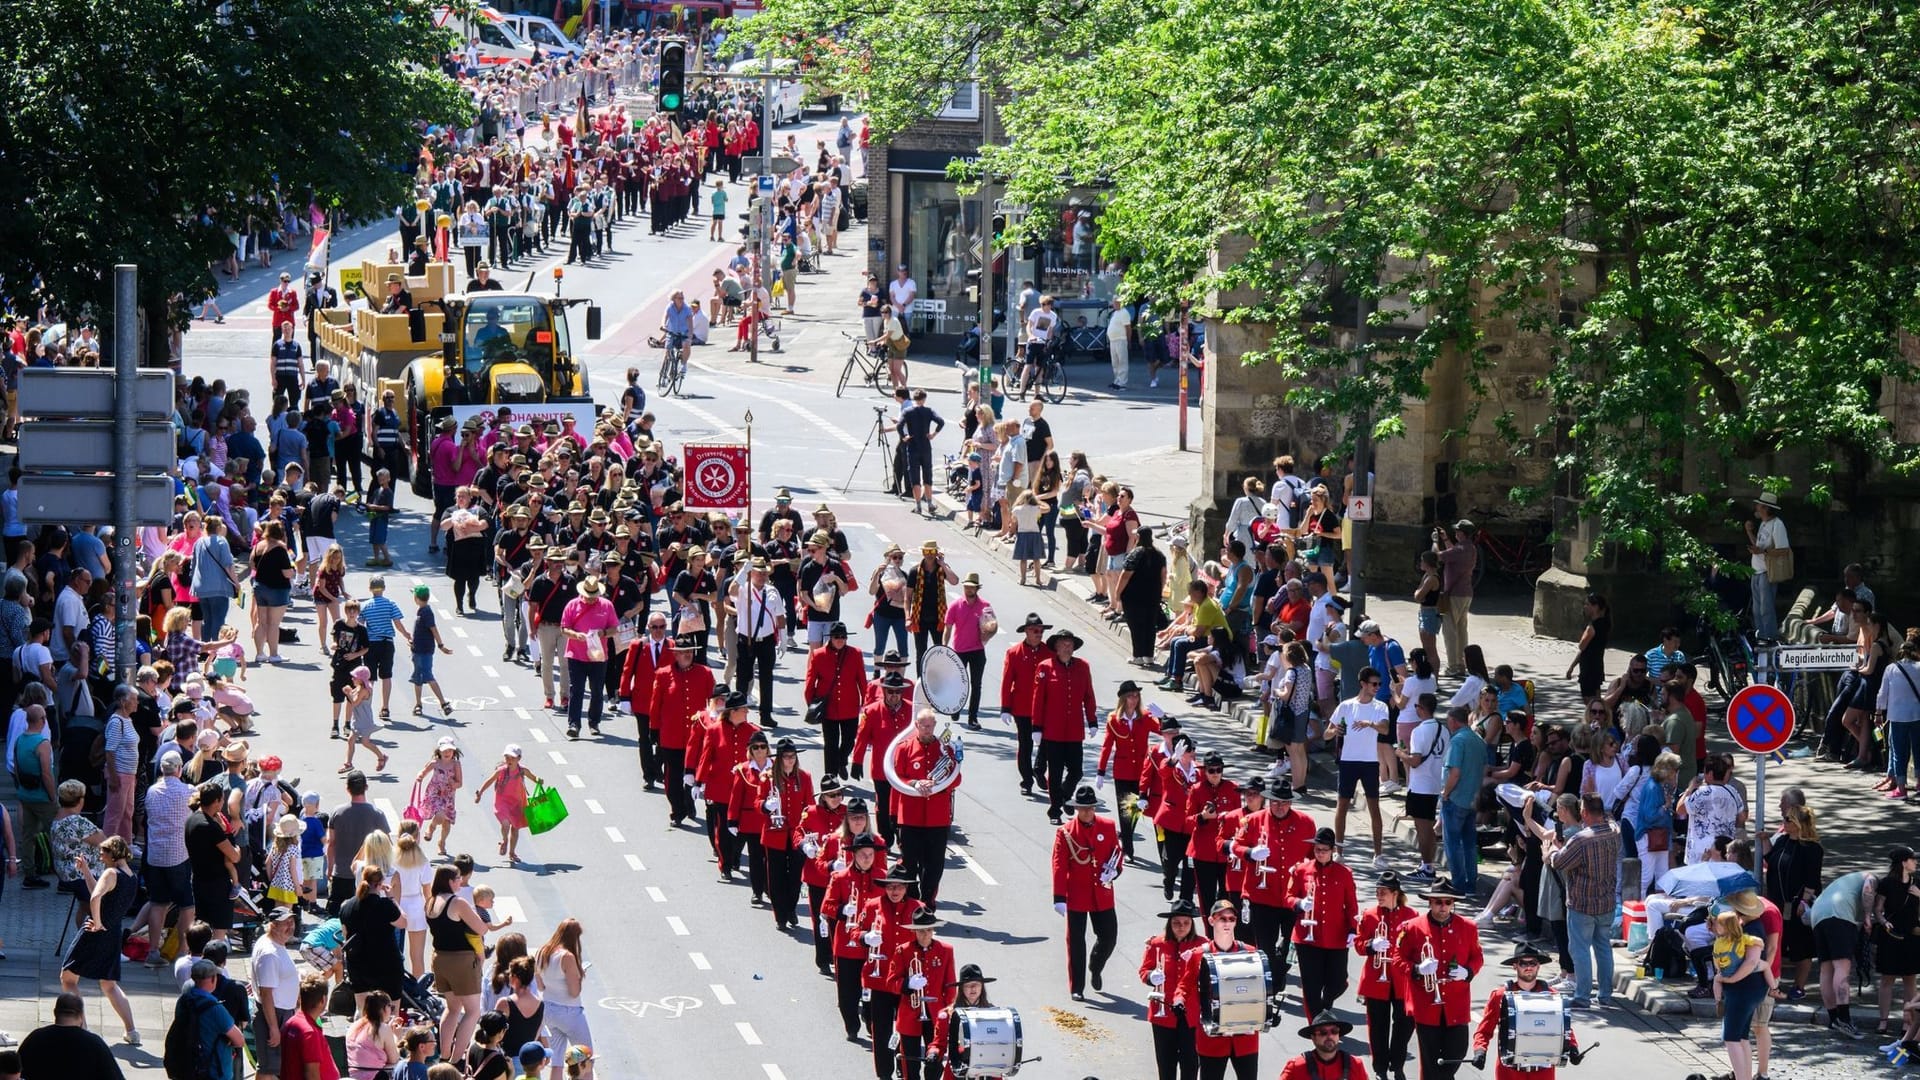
<point x="1526" y="955"/>
<point x="972" y="973"/>
<point x="830" y="785"/>
<point x="895" y="876"/>
<point x="1064" y="634"/>
<point x="737" y="700"/>
<point x="856" y="806"/>
<point x="1035" y="622"/>
<point x="1442" y="891"/>
<point x="1326" y="1018"/>
<point x="686" y="643"/>
<point x="925" y="919"/>
<point x="892" y="658"/>
<point x="1325" y="838"/>
<point x="893" y="680"/>
<point x="1084" y="798"/>
<point x="1282" y="790"/>
<point x="1182" y="906"/>
<point x="864" y="842"/>
<point x="1256" y="786"/>
<point x="1128" y="687"/>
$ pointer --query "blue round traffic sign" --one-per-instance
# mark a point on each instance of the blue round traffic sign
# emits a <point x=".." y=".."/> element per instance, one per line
<point x="1760" y="718"/>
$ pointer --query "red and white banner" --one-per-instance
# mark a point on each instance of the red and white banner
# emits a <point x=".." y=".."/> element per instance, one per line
<point x="718" y="476"/>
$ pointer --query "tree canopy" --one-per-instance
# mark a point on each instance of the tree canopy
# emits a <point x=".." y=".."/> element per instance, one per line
<point x="1734" y="181"/>
<point x="135" y="129"/>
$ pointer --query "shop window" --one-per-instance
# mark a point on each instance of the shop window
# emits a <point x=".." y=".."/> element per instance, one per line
<point x="944" y="239"/>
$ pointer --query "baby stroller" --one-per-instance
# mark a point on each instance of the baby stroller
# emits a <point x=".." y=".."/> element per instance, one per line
<point x="418" y="1003"/>
<point x="956" y="467"/>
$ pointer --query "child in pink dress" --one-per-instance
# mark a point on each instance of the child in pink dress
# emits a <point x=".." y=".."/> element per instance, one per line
<point x="509" y="781"/>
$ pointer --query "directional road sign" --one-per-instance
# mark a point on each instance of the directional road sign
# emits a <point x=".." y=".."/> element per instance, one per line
<point x="1760" y="718"/>
<point x="87" y="445"/>
<point x="64" y="499"/>
<point x="90" y="392"/>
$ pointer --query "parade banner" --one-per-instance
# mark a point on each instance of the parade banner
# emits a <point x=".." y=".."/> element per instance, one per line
<point x="718" y="476"/>
<point x="532" y="412"/>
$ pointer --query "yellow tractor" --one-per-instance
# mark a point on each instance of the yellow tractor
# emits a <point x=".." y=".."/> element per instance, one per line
<point x="485" y="348"/>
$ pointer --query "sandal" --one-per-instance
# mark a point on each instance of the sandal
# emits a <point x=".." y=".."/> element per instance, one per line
<point x="446" y="708"/>
<point x="416" y="710"/>
<point x="386" y="714"/>
<point x="344" y="769"/>
<point x="381" y="764"/>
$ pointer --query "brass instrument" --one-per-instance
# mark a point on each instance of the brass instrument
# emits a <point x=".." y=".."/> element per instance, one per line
<point x="1309" y="922"/>
<point x="919" y="997"/>
<point x="1261" y="875"/>
<point x="874" y="954"/>
<point x="1157" y="997"/>
<point x="1433" y="980"/>
<point x="853" y="922"/>
<point x="1380" y="955"/>
<point x="777" y="817"/>
<point x="1110" y="869"/>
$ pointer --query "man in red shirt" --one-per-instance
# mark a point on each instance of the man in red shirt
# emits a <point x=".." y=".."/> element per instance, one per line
<point x="284" y="302"/>
<point x="304" y="1054"/>
<point x="880" y="723"/>
<point x="1085" y="863"/>
<point x="1678" y="679"/>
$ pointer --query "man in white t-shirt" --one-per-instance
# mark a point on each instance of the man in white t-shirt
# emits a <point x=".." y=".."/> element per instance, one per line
<point x="276" y="983"/>
<point x="1322" y="613"/>
<point x="1770" y="535"/>
<point x="1363" y="720"/>
<point x="902" y="291"/>
<point x="1117" y="323"/>
<point x="69" y="615"/>
<point x="1425" y="756"/>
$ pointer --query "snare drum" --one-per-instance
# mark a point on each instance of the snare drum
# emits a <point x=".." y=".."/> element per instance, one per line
<point x="1533" y="1030"/>
<point x="1234" y="988"/>
<point x="984" y="1042"/>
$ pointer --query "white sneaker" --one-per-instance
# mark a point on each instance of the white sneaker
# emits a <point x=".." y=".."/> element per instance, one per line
<point x="1153" y="384"/>
<point x="1379" y="862"/>
<point x="1391" y="787"/>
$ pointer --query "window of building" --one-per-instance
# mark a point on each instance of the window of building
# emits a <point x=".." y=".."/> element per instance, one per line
<point x="944" y="238"/>
<point x="964" y="104"/>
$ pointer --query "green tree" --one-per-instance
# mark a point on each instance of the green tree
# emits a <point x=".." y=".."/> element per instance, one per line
<point x="134" y="129"/>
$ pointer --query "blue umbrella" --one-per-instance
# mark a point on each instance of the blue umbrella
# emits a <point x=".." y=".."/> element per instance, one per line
<point x="1707" y="879"/>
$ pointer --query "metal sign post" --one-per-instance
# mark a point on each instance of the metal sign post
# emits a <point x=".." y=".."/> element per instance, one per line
<point x="1760" y="719"/>
<point x="126" y="424"/>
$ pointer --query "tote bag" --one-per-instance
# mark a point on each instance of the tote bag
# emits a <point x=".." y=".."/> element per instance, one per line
<point x="545" y="809"/>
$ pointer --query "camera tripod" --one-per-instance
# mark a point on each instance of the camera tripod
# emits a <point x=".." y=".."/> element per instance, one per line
<point x="877" y="433"/>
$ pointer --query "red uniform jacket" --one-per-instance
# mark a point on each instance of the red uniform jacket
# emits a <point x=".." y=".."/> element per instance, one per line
<point x="743" y="801"/>
<point x="874" y="692"/>
<point x="283" y="301"/>
<point x="1169" y="958"/>
<point x="636" y="678"/>
<point x="1336" y="904"/>
<point x="1188" y="997"/>
<point x="1171" y="789"/>
<point x="1209" y="842"/>
<point x="1308" y="1066"/>
<point x="1456" y="942"/>
<point x="1376" y="978"/>
<point x="877" y="730"/>
<point x="1230" y="828"/>
<point x="915" y="761"/>
<point x="820" y="824"/>
<point x="678" y="693"/>
<point x="851" y="886"/>
<point x="942" y="975"/>
<point x="1486" y="1034"/>
<point x="723" y="747"/>
<point x="1289" y="842"/>
<point x="1063" y="708"/>
<point x="832" y="852"/>
<point x="796" y="795"/>
<point x="891" y="920"/>
<point x="1016" y="678"/>
<point x="1080" y="854"/>
<point x="846" y="689"/>
<point x="1124" y="747"/>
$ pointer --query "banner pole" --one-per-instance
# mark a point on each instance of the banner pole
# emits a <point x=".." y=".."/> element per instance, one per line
<point x="746" y="516"/>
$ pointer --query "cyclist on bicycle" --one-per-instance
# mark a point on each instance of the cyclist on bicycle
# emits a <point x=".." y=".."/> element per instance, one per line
<point x="677" y="325"/>
<point x="1043" y="326"/>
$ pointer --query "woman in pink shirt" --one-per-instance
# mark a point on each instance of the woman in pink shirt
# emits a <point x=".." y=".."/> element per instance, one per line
<point x="586" y="623"/>
<point x="966" y="618"/>
<point x="191" y="530"/>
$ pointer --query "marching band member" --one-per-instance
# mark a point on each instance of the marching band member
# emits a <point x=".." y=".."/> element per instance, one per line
<point x="1434" y="962"/>
<point x="1322" y="892"/>
<point x="1016" y="698"/>
<point x="837" y="675"/>
<point x="921" y="975"/>
<point x="1326" y="1061"/>
<point x="971" y="995"/>
<point x="889" y="663"/>
<point x="1086" y="860"/>
<point x="849" y="890"/>
<point x="745" y="818"/>
<point x="1273" y="841"/>
<point x="785" y="789"/>
<point x="644" y="660"/>
<point x="1161" y="968"/>
<point x="1389" y="1028"/>
<point x="880" y="721"/>
<point x="926" y="817"/>
<point x="1217" y="1051"/>
<point x="1123" y="755"/>
<point x="1175" y="782"/>
<point x="819" y="826"/>
<point x="884" y="922"/>
<point x="679" y="691"/>
<point x="717" y="749"/>
<point x="1063" y="707"/>
<point x="1493" y="1017"/>
<point x="1207" y="804"/>
<point x="1253" y="796"/>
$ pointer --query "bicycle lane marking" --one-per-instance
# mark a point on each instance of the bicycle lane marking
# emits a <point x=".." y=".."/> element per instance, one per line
<point x="819" y="422"/>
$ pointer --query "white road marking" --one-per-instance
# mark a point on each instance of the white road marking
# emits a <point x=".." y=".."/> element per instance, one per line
<point x="700" y="961"/>
<point x="505" y="907"/>
<point x="656" y="894"/>
<point x="474" y="650"/>
<point x="507" y="691"/>
<point x="575" y="782"/>
<point x="882" y="537"/>
<point x="633" y="861"/>
<point x="678" y="927"/>
<point x="558" y="757"/>
<point x="613" y="834"/>
<point x="720" y="994"/>
<point x="594" y="807"/>
<point x="460" y="632"/>
<point x="813" y="419"/>
<point x="522" y="713"/>
<point x="746" y="1032"/>
<point x="773" y="1072"/>
<point x="416" y="581"/>
<point x="725" y="430"/>
<point x="538" y="735"/>
<point x="973" y="864"/>
<point x="385" y="806"/>
<point x="489" y="671"/>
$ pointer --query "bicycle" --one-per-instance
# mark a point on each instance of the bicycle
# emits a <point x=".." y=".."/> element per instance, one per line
<point x="672" y="376"/>
<point x="870" y="359"/>
<point x="1049" y="379"/>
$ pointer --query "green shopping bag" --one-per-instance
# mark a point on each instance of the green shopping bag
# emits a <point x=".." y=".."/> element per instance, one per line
<point x="545" y="809"/>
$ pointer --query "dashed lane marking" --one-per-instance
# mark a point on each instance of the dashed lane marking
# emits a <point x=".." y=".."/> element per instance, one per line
<point x="460" y="632"/>
<point x="773" y="1071"/>
<point x="507" y="691"/>
<point x="720" y="994"/>
<point x="972" y="864"/>
<point x="575" y="782"/>
<point x="385" y="806"/>
<point x="538" y="735"/>
<point x="594" y="807"/>
<point x="634" y="863"/>
<point x="505" y="907"/>
<point x="700" y="961"/>
<point x="474" y="650"/>
<point x="678" y="927"/>
<point x="558" y="757"/>
<point x="613" y="834"/>
<point x="656" y="894"/>
<point x="489" y="671"/>
<point x="813" y="419"/>
<point x="747" y="1033"/>
<point x="522" y="713"/>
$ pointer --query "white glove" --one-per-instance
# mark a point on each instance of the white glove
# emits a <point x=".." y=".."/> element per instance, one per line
<point x="1306" y="903"/>
<point x="839" y="865"/>
<point x="871" y="937"/>
<point x="731" y="831"/>
<point x="686" y="779"/>
<point x="810" y="847"/>
<point x="772" y="803"/>
<point x="1155" y="978"/>
<point x="916" y="982"/>
<point x="1006" y="718"/>
<point x="1459" y="971"/>
<point x="1260" y="853"/>
<point x="1381" y="946"/>
<point x="1106" y="877"/>
<point x="1060" y="908"/>
<point x="826" y="926"/>
<point x="699" y="793"/>
<point x="1100" y="781"/>
<point x="1351" y="938"/>
<point x="1428" y="967"/>
<point x="849" y="909"/>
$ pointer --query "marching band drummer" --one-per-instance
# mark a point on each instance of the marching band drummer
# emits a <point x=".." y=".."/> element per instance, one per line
<point x="849" y="890"/>
<point x="884" y="923"/>
<point x="880" y="721"/>
<point x="1434" y="962"/>
<point x="1086" y="860"/>
<point x="819" y="827"/>
<point x="785" y="791"/>
<point x="972" y="995"/>
<point x="1161" y="968"/>
<point x="1389" y="1028"/>
<point x="1326" y="1061"/>
<point x="1063" y="708"/>
<point x="1123" y="755"/>
<point x="925" y="816"/>
<point x="1493" y="1018"/>
<point x="1216" y="1051"/>
<point x="1323" y="893"/>
<point x="921" y="974"/>
<point x="1271" y="842"/>
<point x="1016" y="698"/>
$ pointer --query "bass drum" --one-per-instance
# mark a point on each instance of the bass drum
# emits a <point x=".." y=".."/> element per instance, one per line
<point x="1533" y="1030"/>
<point x="984" y="1042"/>
<point x="945" y="681"/>
<point x="1235" y="989"/>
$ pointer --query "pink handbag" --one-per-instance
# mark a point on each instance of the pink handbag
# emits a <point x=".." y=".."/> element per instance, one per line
<point x="416" y="806"/>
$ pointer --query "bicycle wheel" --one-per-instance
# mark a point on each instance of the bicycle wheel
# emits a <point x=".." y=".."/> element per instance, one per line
<point x="1015" y="382"/>
<point x="679" y="376"/>
<point x="666" y="370"/>
<point x="1054" y="381"/>
<point x="876" y="371"/>
<point x="846" y="373"/>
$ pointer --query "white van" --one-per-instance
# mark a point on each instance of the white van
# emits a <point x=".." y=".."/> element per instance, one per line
<point x="545" y="33"/>
<point x="493" y="41"/>
<point x="784" y="95"/>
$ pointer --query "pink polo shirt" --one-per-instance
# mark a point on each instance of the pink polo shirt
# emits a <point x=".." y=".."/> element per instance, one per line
<point x="587" y="616"/>
<point x="963" y="616"/>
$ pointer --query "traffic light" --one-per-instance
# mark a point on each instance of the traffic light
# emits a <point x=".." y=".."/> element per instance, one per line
<point x="673" y="75"/>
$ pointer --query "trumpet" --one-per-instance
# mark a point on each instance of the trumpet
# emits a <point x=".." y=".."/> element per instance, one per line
<point x="1111" y="869"/>
<point x="919" y="996"/>
<point x="1157" y="997"/>
<point x="1261" y="875"/>
<point x="874" y="954"/>
<point x="1380" y="955"/>
<point x="777" y="817"/>
<point x="853" y="924"/>
<point x="1433" y="980"/>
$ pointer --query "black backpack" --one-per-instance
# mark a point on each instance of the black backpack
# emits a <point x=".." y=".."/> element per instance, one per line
<point x="184" y="1058"/>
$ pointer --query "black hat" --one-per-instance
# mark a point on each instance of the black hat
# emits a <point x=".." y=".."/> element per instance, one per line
<point x="896" y="876"/>
<point x="720" y="690"/>
<point x="893" y="680"/>
<point x="1255" y="786"/>
<point x="1182" y="906"/>
<point x="1213" y="760"/>
<point x="785" y="746"/>
<point x="1033" y="619"/>
<point x="759" y="738"/>
<point x="737" y="700"/>
<point x="1527" y="954"/>
<point x="829" y="785"/>
<point x="1326" y="1018"/>
<point x="925" y="919"/>
<point x="1064" y="634"/>
<point x="686" y="642"/>
<point x="1129" y="687"/>
<point x="1282" y="790"/>
<point x="1442" y="891"/>
<point x="1390" y="880"/>
<point x="838" y="629"/>
<point x="864" y="842"/>
<point x="972" y="973"/>
<point x="892" y="658"/>
<point x="1325" y="838"/>
<point x="856" y="806"/>
<point x="1084" y="798"/>
<point x="1169" y="721"/>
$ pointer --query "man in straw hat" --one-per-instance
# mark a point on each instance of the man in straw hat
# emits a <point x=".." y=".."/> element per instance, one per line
<point x="1326" y="1060"/>
<point x="680" y="690"/>
<point x="1772" y="558"/>
<point x="1086" y="861"/>
<point x="1489" y="1032"/>
<point x="1436" y="958"/>
<point x="927" y="582"/>
<point x="1064" y="709"/>
<point x="922" y="973"/>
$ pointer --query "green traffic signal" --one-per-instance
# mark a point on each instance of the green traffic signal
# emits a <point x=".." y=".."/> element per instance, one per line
<point x="669" y="101"/>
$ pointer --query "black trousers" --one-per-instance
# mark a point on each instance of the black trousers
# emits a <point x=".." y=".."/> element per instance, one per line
<point x="822" y="943"/>
<point x="923" y="855"/>
<point x="883" y="810"/>
<point x="1106" y="931"/>
<point x="1273" y="935"/>
<point x="1441" y="1043"/>
<point x="922" y="641"/>
<point x="1245" y="1067"/>
<point x="1025" y="756"/>
<point x="836" y="737"/>
<point x="1389" y="1030"/>
<point x="679" y="798"/>
<point x="1143" y="623"/>
<point x="1173" y="1052"/>
<point x="1122" y="789"/>
<point x="581" y="246"/>
<point x="1064" y="768"/>
<point x="756" y="864"/>
<point x="348" y="460"/>
<point x="1176" y="872"/>
<point x="648" y="742"/>
<point x="726" y="846"/>
<point x="756" y="656"/>
<point x="783" y="882"/>
<point x="339" y="891"/>
<point x="1323" y="977"/>
<point x="881" y="1007"/>
<point x="976" y="661"/>
<point x="1211" y="880"/>
<point x="846" y="981"/>
<point x="912" y="1050"/>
